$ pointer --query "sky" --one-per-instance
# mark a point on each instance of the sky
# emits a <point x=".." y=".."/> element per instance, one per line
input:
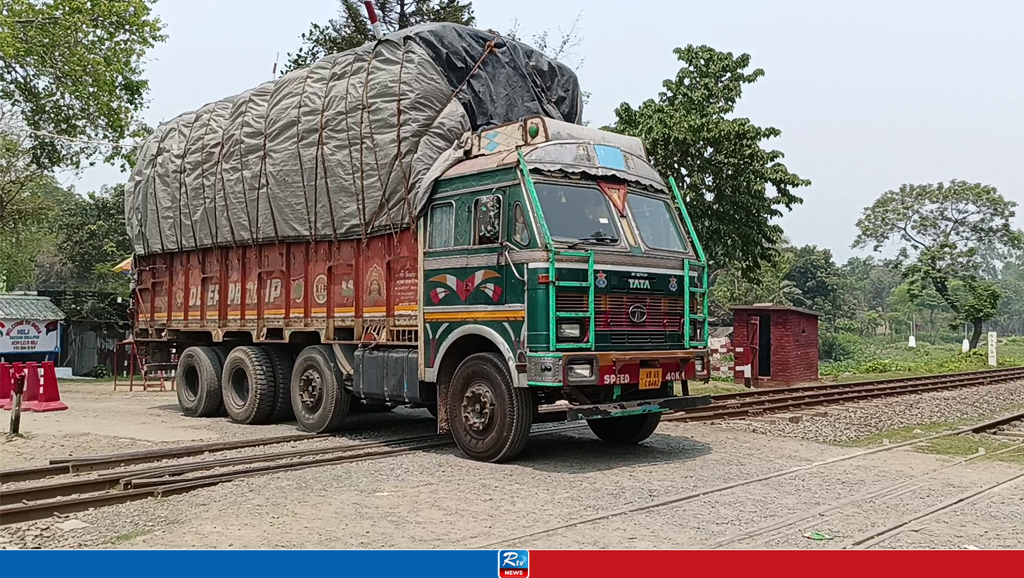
<point x="868" y="94"/>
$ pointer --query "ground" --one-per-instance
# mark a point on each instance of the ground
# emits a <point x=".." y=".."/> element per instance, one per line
<point x="439" y="499"/>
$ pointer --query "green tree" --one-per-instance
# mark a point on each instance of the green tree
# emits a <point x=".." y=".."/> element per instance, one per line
<point x="818" y="278"/>
<point x="74" y="68"/>
<point x="352" y="27"/>
<point x="91" y="240"/>
<point x="946" y="233"/>
<point x="732" y="186"/>
<point x="768" y="285"/>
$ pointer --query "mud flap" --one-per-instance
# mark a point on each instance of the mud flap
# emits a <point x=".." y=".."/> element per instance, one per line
<point x="443" y="423"/>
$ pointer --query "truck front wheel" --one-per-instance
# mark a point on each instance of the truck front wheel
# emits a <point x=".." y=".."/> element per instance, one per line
<point x="625" y="430"/>
<point x="490" y="418"/>
<point x="319" y="398"/>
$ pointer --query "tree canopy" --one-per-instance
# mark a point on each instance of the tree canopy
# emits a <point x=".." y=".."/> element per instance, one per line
<point x="732" y="186"/>
<point x="352" y="28"/>
<point x="73" y="68"/>
<point x="948" y="235"/>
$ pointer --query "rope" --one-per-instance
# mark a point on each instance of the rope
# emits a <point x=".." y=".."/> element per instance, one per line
<point x="16" y="128"/>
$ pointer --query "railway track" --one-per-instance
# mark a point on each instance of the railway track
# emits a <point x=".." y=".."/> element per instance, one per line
<point x="760" y="402"/>
<point x="161" y="475"/>
<point x="63" y="496"/>
<point x="702" y="493"/>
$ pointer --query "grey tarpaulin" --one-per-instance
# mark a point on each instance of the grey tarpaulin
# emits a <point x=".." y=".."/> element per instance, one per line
<point x="345" y="148"/>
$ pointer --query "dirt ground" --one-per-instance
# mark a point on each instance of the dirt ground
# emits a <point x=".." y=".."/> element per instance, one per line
<point x="438" y="499"/>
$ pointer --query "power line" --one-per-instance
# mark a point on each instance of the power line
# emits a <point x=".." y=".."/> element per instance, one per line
<point x="11" y="127"/>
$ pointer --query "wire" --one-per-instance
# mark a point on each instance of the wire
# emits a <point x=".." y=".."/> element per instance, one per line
<point x="12" y="127"/>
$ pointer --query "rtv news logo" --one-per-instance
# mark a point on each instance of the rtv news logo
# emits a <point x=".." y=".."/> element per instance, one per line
<point x="513" y="563"/>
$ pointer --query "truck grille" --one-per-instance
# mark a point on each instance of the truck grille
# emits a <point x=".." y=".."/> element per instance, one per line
<point x="612" y="314"/>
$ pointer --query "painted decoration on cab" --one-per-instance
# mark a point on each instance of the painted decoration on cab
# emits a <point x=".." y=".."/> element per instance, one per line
<point x="464" y="287"/>
<point x="602" y="280"/>
<point x="672" y="285"/>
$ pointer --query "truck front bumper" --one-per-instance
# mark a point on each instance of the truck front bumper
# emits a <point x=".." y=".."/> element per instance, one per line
<point x="623" y="408"/>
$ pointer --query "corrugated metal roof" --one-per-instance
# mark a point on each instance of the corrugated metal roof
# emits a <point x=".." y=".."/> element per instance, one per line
<point x="28" y="307"/>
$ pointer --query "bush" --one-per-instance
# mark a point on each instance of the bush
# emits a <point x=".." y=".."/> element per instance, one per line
<point x="837" y="347"/>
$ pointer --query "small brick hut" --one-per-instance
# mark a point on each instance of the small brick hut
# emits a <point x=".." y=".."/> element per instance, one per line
<point x="787" y="343"/>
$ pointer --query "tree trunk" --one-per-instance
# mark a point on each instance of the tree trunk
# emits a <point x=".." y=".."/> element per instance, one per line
<point x="976" y="334"/>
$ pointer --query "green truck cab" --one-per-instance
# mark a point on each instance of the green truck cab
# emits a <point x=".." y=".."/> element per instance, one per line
<point x="561" y="280"/>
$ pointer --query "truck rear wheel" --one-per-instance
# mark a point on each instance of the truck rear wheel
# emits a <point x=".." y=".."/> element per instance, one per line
<point x="248" y="385"/>
<point x="282" y="361"/>
<point x="198" y="382"/>
<point x="490" y="418"/>
<point x="625" y="430"/>
<point x="319" y="398"/>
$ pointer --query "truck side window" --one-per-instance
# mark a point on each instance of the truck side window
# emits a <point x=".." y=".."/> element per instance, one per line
<point x="441" y="226"/>
<point x="520" y="230"/>
<point x="487" y="220"/>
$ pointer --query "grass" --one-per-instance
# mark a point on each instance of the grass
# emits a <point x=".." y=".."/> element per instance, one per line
<point x="129" y="536"/>
<point x="715" y="388"/>
<point x="879" y="358"/>
<point x="954" y="446"/>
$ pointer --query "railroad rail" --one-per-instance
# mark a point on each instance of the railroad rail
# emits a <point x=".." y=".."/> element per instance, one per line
<point x="37" y="501"/>
<point x="759" y="402"/>
<point x="32" y="502"/>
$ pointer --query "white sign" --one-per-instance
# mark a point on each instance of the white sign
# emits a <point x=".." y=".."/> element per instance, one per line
<point x="29" y="335"/>
<point x="992" y="348"/>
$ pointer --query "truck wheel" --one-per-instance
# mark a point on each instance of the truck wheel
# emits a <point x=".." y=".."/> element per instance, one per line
<point x="221" y="351"/>
<point x="282" y="361"/>
<point x="197" y="381"/>
<point x="319" y="399"/>
<point x="625" y="430"/>
<point x="247" y="385"/>
<point x="490" y="419"/>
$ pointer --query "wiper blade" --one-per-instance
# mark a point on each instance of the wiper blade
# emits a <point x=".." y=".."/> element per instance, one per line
<point x="609" y="240"/>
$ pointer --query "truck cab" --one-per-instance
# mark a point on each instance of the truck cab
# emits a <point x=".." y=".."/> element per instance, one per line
<point x="562" y="280"/>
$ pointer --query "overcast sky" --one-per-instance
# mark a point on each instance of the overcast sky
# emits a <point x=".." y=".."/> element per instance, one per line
<point x="868" y="94"/>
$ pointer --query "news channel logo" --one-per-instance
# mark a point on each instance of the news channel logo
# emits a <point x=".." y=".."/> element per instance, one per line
<point x="513" y="564"/>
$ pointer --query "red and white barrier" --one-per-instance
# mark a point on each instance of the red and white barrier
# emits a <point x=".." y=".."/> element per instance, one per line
<point x="42" y="392"/>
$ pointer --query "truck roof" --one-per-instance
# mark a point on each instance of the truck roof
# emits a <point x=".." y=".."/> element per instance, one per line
<point x="556" y="146"/>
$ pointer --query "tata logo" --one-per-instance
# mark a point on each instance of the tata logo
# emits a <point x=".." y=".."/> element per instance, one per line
<point x="639" y="283"/>
<point x="638" y="313"/>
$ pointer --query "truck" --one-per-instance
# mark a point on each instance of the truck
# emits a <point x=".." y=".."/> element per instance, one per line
<point x="529" y="270"/>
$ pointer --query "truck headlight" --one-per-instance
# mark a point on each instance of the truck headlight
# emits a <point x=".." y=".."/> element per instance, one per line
<point x="578" y="371"/>
<point x="569" y="330"/>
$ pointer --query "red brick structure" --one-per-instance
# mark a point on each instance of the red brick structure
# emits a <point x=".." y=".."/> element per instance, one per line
<point x="786" y="340"/>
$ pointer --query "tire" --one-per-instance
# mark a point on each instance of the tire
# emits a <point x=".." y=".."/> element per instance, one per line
<point x="197" y="381"/>
<point x="490" y="418"/>
<point x="625" y="430"/>
<point x="221" y="351"/>
<point x="247" y="385"/>
<point x="282" y="361"/>
<point x="318" y="396"/>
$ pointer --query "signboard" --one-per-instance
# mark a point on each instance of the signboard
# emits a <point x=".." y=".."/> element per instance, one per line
<point x="992" y="348"/>
<point x="29" y="335"/>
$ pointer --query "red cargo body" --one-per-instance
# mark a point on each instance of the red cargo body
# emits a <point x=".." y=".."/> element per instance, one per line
<point x="348" y="290"/>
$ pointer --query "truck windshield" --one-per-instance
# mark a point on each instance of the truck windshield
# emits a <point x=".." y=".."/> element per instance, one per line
<point x="654" y="220"/>
<point x="577" y="213"/>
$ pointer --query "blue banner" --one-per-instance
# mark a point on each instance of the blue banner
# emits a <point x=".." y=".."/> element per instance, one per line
<point x="249" y="563"/>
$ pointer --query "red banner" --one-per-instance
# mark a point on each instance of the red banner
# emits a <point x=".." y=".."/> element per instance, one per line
<point x="776" y="564"/>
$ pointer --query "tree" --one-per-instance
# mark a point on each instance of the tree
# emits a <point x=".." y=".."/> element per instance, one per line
<point x="352" y="28"/>
<point x="946" y="234"/>
<point x="73" y="68"/>
<point x="732" y="187"/>
<point x="817" y="277"/>
<point x="768" y="285"/>
<point x="91" y="240"/>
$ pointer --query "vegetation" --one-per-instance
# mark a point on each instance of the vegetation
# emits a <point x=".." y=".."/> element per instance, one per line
<point x="717" y="159"/>
<point x="957" y="446"/>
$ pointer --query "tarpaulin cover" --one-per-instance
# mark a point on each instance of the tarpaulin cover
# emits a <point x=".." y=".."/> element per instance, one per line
<point x="346" y="148"/>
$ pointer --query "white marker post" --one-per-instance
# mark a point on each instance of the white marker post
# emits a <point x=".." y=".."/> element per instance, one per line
<point x="992" y="349"/>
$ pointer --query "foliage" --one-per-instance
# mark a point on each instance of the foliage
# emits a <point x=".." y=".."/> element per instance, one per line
<point x="74" y="68"/>
<point x="947" y="234"/>
<point x="882" y="356"/>
<point x="769" y="284"/>
<point x="732" y="187"/>
<point x="91" y="240"/>
<point x="838" y="346"/>
<point x="352" y="27"/>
